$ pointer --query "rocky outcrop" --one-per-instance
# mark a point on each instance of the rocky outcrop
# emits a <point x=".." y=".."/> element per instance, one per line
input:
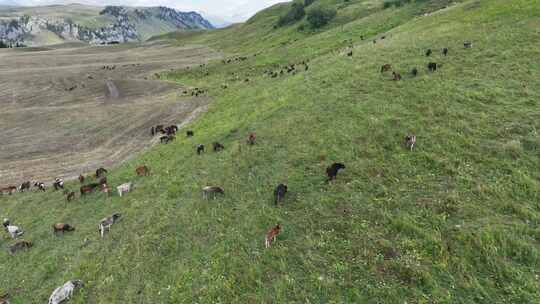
<point x="123" y="28"/>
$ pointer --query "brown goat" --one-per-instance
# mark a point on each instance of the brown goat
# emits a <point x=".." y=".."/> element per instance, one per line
<point x="410" y="141"/>
<point x="271" y="235"/>
<point x="61" y="227"/>
<point x="86" y="189"/>
<point x="385" y="68"/>
<point x="142" y="171"/>
<point x="19" y="246"/>
<point x="70" y="196"/>
<point x="251" y="139"/>
<point x="101" y="172"/>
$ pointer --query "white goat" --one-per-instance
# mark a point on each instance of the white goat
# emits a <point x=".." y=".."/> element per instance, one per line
<point x="14" y="231"/>
<point x="64" y="292"/>
<point x="106" y="223"/>
<point x="124" y="188"/>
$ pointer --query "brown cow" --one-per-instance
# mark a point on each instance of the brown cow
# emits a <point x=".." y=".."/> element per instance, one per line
<point x="142" y="171"/>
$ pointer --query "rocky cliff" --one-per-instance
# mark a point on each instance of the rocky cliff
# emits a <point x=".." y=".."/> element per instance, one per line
<point x="112" y="24"/>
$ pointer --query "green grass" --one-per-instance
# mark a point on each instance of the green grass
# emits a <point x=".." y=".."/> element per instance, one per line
<point x="454" y="221"/>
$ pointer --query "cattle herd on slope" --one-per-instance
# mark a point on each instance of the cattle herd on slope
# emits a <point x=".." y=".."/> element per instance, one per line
<point x="65" y="292"/>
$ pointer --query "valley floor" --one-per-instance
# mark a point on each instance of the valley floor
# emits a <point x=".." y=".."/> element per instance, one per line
<point x="69" y="108"/>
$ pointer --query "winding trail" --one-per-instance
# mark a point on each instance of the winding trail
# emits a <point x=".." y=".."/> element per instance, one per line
<point x="113" y="90"/>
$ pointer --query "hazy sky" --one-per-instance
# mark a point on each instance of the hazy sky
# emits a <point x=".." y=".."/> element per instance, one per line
<point x="232" y="10"/>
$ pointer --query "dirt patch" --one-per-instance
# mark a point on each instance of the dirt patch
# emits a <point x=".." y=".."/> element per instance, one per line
<point x="70" y="110"/>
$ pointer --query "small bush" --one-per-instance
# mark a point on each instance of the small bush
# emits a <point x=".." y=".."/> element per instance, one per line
<point x="395" y="3"/>
<point x="319" y="17"/>
<point x="296" y="13"/>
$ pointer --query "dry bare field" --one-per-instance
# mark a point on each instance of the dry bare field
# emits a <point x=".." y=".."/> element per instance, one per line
<point x="68" y="109"/>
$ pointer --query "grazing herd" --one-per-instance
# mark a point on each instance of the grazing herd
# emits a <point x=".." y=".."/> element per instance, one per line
<point x="65" y="292"/>
<point x="85" y="189"/>
<point x="168" y="133"/>
<point x="293" y="69"/>
<point x="431" y="66"/>
<point x="196" y="92"/>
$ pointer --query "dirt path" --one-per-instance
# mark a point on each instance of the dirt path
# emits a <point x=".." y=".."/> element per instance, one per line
<point x="113" y="90"/>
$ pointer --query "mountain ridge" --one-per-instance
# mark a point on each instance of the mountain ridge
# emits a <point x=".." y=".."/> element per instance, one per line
<point x="43" y="25"/>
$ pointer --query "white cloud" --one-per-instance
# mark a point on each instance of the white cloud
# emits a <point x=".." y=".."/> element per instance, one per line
<point x="231" y="10"/>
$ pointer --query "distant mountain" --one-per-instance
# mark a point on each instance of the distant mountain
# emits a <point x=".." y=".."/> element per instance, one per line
<point x="217" y="21"/>
<point x="97" y="25"/>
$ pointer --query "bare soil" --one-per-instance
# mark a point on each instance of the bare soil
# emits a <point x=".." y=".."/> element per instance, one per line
<point x="69" y="109"/>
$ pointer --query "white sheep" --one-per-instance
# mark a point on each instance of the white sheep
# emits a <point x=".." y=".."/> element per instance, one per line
<point x="124" y="188"/>
<point x="64" y="292"/>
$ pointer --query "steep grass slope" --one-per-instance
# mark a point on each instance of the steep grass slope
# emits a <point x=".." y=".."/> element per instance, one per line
<point x="454" y="221"/>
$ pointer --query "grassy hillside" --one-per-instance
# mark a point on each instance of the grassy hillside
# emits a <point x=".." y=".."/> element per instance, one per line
<point x="454" y="221"/>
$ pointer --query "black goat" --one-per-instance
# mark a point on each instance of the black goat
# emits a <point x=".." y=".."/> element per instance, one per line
<point x="332" y="171"/>
<point x="279" y="193"/>
<point x="218" y="147"/>
<point x="200" y="149"/>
